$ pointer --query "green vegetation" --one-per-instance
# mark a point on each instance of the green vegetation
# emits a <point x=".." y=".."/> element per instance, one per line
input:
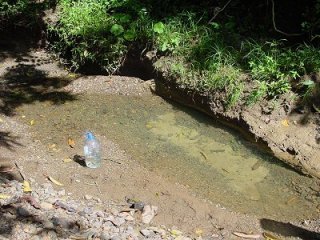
<point x="229" y="53"/>
<point x="23" y="14"/>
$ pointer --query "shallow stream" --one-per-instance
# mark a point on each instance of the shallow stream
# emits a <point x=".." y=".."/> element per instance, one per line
<point x="187" y="147"/>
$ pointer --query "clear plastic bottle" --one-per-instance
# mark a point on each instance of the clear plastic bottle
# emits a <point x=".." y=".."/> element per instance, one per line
<point x="92" y="151"/>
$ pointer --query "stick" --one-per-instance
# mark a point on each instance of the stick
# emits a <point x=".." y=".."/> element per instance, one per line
<point x="20" y="171"/>
<point x="98" y="187"/>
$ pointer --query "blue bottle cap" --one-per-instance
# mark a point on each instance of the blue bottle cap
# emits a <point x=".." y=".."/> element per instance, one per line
<point x="89" y="135"/>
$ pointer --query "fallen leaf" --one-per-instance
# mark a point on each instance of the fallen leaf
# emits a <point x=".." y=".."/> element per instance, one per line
<point x="4" y="196"/>
<point x="199" y="232"/>
<point x="247" y="236"/>
<point x="26" y="186"/>
<point x="32" y="122"/>
<point x="285" y="122"/>
<point x="268" y="236"/>
<point x="71" y="142"/>
<point x="175" y="232"/>
<point x="67" y="160"/>
<point x="55" y="181"/>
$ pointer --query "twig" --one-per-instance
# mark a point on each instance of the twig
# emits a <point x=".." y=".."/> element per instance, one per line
<point x="98" y="187"/>
<point x="111" y="160"/>
<point x="275" y="27"/>
<point x="218" y="10"/>
<point x="20" y="171"/>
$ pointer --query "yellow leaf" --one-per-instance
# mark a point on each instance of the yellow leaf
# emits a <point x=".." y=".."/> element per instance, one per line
<point x="32" y="122"/>
<point x="269" y="236"/>
<point x="199" y="232"/>
<point x="55" y="181"/>
<point x="71" y="142"/>
<point x="26" y="186"/>
<point x="149" y="126"/>
<point x="1" y="121"/>
<point x="67" y="160"/>
<point x="175" y="232"/>
<point x="285" y="122"/>
<point x="4" y="196"/>
<point x="72" y="75"/>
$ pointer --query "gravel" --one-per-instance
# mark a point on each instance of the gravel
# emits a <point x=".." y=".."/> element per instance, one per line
<point x="46" y="213"/>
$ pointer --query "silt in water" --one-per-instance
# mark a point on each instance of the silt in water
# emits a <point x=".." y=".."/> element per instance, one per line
<point x="190" y="148"/>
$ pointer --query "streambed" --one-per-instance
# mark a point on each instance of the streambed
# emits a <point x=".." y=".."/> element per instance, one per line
<point x="186" y="147"/>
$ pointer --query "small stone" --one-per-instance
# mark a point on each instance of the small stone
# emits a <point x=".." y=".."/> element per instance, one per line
<point x="215" y="235"/>
<point x="146" y="232"/>
<point x="62" y="192"/>
<point x="23" y="212"/>
<point x="98" y="200"/>
<point x="161" y="231"/>
<point x="88" y="210"/>
<point x="99" y="214"/>
<point x="87" y="197"/>
<point x="129" y="218"/>
<point x="148" y="213"/>
<point x="118" y="221"/>
<point x="104" y="236"/>
<point x="46" y="205"/>
<point x="114" y="212"/>
<point x="115" y="238"/>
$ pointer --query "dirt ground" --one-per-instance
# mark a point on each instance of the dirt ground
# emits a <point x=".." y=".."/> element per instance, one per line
<point x="29" y="75"/>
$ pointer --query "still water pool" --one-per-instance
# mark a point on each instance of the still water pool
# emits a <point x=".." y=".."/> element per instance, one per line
<point x="187" y="147"/>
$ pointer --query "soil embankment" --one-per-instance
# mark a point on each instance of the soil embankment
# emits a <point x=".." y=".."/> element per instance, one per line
<point x="290" y="133"/>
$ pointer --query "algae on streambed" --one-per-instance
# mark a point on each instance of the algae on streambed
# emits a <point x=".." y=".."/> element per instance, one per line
<point x="185" y="146"/>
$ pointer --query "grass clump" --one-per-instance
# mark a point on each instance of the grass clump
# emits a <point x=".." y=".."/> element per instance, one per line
<point x="91" y="32"/>
<point x="201" y="54"/>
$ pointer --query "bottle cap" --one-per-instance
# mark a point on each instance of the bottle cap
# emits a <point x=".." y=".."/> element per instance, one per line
<point x="89" y="135"/>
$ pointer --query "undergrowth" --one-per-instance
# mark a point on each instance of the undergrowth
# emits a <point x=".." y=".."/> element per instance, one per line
<point x="202" y="55"/>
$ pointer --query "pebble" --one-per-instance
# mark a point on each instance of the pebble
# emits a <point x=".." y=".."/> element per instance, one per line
<point x="59" y="212"/>
<point x="46" y="205"/>
<point x="87" y="197"/>
<point x="146" y="232"/>
<point x="22" y="212"/>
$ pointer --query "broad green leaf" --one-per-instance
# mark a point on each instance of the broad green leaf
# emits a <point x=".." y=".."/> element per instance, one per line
<point x="116" y="29"/>
<point x="129" y="35"/>
<point x="158" y="27"/>
<point x="308" y="82"/>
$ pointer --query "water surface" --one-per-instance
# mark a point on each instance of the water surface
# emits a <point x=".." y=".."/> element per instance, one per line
<point x="187" y="147"/>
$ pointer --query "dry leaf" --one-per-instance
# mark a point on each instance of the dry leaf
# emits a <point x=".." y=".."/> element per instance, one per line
<point x="67" y="160"/>
<point x="26" y="186"/>
<point x="32" y="122"/>
<point x="285" y="122"/>
<point x="269" y="236"/>
<point x="71" y="142"/>
<point x="4" y="196"/>
<point x="245" y="235"/>
<point x="55" y="181"/>
<point x="175" y="232"/>
<point x="1" y="121"/>
<point x="199" y="232"/>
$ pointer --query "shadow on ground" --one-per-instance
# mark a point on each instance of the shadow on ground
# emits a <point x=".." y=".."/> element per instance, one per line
<point x="288" y="230"/>
<point x="24" y="84"/>
<point x="18" y="216"/>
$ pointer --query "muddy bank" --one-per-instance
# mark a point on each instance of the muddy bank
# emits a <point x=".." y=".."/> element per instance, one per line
<point x="281" y="128"/>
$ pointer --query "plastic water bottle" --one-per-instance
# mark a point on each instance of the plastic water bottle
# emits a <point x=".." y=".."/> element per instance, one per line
<point x="92" y="152"/>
